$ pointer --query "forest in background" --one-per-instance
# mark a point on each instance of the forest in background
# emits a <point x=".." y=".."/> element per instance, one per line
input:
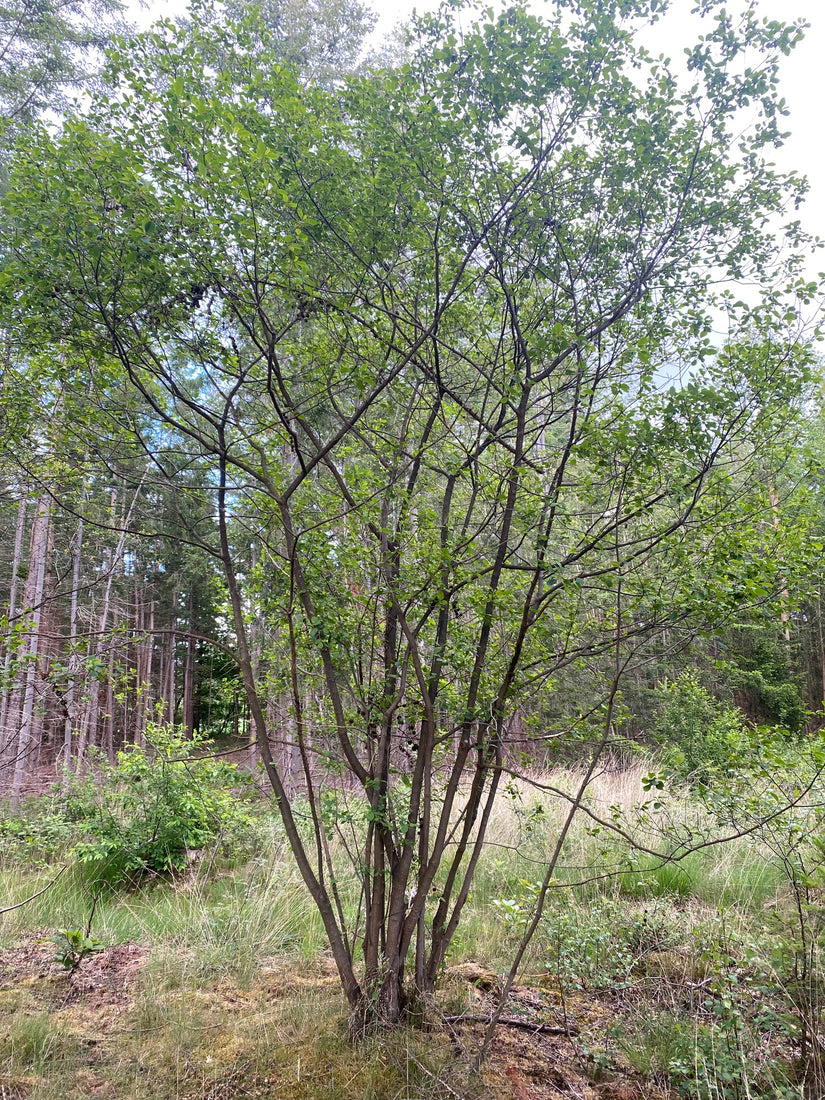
<point x="395" y="421"/>
<point x="117" y="612"/>
<point x="116" y="618"/>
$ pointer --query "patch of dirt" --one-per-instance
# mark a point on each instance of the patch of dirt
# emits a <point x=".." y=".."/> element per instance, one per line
<point x="95" y="1007"/>
<point x="530" y="1065"/>
<point x="282" y="978"/>
<point x="103" y="978"/>
<point x="27" y="964"/>
<point x="107" y="976"/>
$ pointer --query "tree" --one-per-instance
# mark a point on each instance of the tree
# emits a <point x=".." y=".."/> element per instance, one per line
<point x="419" y="329"/>
<point x="108" y="637"/>
<point x="48" y="47"/>
<point x="322" y="40"/>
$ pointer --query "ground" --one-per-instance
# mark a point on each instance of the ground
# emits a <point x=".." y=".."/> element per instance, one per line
<point x="124" y="1025"/>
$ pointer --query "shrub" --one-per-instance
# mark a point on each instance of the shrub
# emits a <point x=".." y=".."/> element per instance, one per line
<point x="39" y="833"/>
<point x="72" y="946"/>
<point x="146" y="813"/>
<point x="594" y="946"/>
<point x="699" y="737"/>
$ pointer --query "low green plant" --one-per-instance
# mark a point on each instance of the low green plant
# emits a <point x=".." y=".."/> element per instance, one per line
<point x="156" y="805"/>
<point x="798" y="926"/>
<point x="651" y="877"/>
<point x="73" y="945"/>
<point x="39" y="833"/>
<point x="718" y="1050"/>
<point x="601" y="944"/>
<point x="659" y="1045"/>
<point x="741" y="1036"/>
<point x="699" y="737"/>
<point x="724" y="1065"/>
<point x="782" y="807"/>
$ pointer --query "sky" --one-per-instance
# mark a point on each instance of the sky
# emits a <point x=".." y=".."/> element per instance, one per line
<point x="802" y="84"/>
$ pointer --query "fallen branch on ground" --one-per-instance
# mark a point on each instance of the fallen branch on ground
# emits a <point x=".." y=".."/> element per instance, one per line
<point x="513" y="1021"/>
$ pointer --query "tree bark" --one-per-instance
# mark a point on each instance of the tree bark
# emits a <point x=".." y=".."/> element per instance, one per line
<point x="71" y="687"/>
<point x="8" y="690"/>
<point x="33" y="601"/>
<point x="188" y="700"/>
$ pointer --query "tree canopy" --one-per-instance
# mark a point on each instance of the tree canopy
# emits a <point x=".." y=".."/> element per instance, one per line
<point x="45" y="46"/>
<point x="439" y="339"/>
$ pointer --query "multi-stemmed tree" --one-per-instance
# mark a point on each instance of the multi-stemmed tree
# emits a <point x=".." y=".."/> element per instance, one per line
<point x="420" y="330"/>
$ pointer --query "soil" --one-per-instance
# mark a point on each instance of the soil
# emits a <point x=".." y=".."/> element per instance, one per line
<point x="104" y="978"/>
<point x="529" y="1065"/>
<point x="95" y="1002"/>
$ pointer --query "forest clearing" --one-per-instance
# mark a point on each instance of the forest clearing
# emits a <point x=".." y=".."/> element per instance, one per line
<point x="698" y="978"/>
<point x="412" y="657"/>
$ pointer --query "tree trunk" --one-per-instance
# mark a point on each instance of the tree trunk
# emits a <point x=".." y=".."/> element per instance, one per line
<point x="188" y="701"/>
<point x="45" y="713"/>
<point x="71" y="687"/>
<point x="108" y="737"/>
<point x="145" y="654"/>
<point x="5" y="703"/>
<point x="168" y="664"/>
<point x="89" y="731"/>
<point x="33" y="601"/>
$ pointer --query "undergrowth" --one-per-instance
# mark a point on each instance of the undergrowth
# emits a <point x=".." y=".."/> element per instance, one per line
<point x="235" y="995"/>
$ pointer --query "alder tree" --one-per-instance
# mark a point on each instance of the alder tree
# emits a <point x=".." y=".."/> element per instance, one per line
<point x="442" y="336"/>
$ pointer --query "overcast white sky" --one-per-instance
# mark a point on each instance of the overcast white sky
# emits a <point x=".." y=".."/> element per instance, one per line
<point x="802" y="85"/>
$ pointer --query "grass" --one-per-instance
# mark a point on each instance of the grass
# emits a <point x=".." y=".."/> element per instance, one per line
<point x="235" y="995"/>
<point x="282" y="1036"/>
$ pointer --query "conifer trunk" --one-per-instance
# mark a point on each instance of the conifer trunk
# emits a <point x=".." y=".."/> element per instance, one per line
<point x="71" y="687"/>
<point x="6" y="735"/>
<point x="33" y="602"/>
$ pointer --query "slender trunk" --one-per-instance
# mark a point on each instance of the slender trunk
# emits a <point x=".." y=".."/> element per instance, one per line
<point x="33" y="601"/>
<point x="168" y="676"/>
<point x="256" y="645"/>
<point x="108" y="737"/>
<point x="187" y="703"/>
<point x="340" y="949"/>
<point x="88" y="734"/>
<point x="145" y="690"/>
<point x="71" y="687"/>
<point x="5" y="703"/>
<point x="139" y="661"/>
<point x="423" y="855"/>
<point x="43" y="719"/>
<point x="145" y="694"/>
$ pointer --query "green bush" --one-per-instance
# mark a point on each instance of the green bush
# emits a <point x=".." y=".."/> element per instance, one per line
<point x="72" y="946"/>
<point x="39" y="833"/>
<point x="146" y="813"/>
<point x="600" y="945"/>
<point x="698" y="736"/>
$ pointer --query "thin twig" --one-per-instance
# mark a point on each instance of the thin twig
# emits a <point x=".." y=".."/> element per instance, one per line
<point x="569" y="1030"/>
<point x="48" y="885"/>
